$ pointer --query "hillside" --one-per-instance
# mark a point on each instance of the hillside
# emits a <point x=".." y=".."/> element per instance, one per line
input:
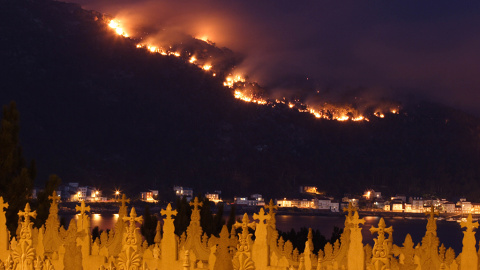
<point x="96" y="110"/>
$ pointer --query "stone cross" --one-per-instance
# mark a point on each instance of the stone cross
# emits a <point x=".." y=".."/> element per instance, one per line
<point x="245" y="223"/>
<point x="355" y="220"/>
<point x="261" y="216"/>
<point x="244" y="243"/>
<point x="54" y="198"/>
<point x="133" y="218"/>
<point x="195" y="218"/>
<point x="350" y="209"/>
<point x="82" y="208"/>
<point x="26" y="229"/>
<point x="196" y="204"/>
<point x="3" y="204"/>
<point x="469" y="224"/>
<point x="432" y="212"/>
<point x="381" y="230"/>
<point x="168" y="212"/>
<point x="271" y="206"/>
<point x="124" y="200"/>
<point x="27" y="213"/>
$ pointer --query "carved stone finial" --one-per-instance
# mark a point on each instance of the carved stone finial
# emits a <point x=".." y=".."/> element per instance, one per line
<point x="27" y="213"/>
<point x="381" y="249"/>
<point x="355" y="220"/>
<point x="26" y="229"/>
<point x="168" y="212"/>
<point x="271" y="212"/>
<point x="186" y="260"/>
<point x="54" y="198"/>
<point x="130" y="237"/>
<point x="244" y="240"/>
<point x="432" y="213"/>
<point x="469" y="224"/>
<point x="195" y="217"/>
<point x="381" y="229"/>
<point x="82" y="208"/>
<point x="469" y="257"/>
<point x="261" y="217"/>
<point x="350" y="209"/>
<point x="133" y="217"/>
<point x="271" y="207"/>
<point x="196" y="204"/>
<point x="431" y="224"/>
<point x="124" y="200"/>
<point x="3" y="205"/>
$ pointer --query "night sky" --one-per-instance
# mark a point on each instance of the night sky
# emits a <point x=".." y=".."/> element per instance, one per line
<point x="346" y="49"/>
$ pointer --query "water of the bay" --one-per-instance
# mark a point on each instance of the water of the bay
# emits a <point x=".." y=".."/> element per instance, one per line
<point x="449" y="232"/>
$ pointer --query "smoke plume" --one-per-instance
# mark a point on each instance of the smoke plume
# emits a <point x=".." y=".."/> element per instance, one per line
<point x="329" y="50"/>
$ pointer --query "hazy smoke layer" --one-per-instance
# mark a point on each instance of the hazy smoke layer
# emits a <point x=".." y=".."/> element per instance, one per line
<point x="345" y="48"/>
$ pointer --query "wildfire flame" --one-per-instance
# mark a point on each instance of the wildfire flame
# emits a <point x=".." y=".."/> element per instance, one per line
<point x="240" y="84"/>
<point x="116" y="26"/>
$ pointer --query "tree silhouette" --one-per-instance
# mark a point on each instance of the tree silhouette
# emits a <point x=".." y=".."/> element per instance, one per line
<point x="16" y="180"/>
<point x="44" y="202"/>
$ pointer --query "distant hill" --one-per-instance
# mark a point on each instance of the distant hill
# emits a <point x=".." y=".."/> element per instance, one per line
<point x="96" y="110"/>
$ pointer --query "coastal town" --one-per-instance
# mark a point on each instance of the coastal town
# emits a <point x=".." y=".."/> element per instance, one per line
<point x="307" y="198"/>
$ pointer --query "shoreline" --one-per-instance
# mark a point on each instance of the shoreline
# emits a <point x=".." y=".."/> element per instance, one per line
<point x="112" y="208"/>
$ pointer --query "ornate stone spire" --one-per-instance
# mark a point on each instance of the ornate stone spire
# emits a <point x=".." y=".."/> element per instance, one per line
<point x="244" y="241"/>
<point x="381" y="249"/>
<point x="271" y="207"/>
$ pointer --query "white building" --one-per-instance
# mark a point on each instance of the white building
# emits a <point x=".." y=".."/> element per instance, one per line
<point x="417" y="204"/>
<point x="397" y="206"/>
<point x="324" y="203"/>
<point x="334" y="206"/>
<point x="254" y="200"/>
<point x="183" y="192"/>
<point x="88" y="194"/>
<point x="448" y="207"/>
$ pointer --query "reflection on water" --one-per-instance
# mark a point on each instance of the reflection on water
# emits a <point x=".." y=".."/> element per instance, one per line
<point x="450" y="233"/>
<point x="103" y="221"/>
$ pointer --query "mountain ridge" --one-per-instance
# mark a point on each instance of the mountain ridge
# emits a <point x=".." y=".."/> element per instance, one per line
<point x="96" y="110"/>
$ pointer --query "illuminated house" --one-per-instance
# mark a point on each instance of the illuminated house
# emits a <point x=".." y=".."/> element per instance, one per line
<point x="323" y="203"/>
<point x="183" y="192"/>
<point x="254" y="200"/>
<point x="448" y="207"/>
<point x="68" y="191"/>
<point x="466" y="206"/>
<point x="214" y="197"/>
<point x="401" y="197"/>
<point x="149" y="196"/>
<point x="299" y="203"/>
<point x="310" y="190"/>
<point x="397" y="206"/>
<point x="475" y="208"/>
<point x="96" y="196"/>
<point x="417" y="204"/>
<point x="350" y="199"/>
<point x="371" y="194"/>
<point x="88" y="194"/>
